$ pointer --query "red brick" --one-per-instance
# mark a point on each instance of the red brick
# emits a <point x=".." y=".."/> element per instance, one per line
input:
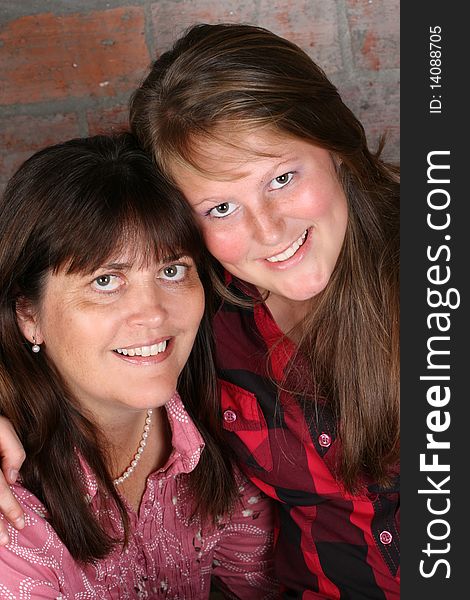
<point x="171" y="18"/>
<point x="109" y="120"/>
<point x="376" y="103"/>
<point x="47" y="57"/>
<point x="21" y="136"/>
<point x="375" y="33"/>
<point x="311" y="25"/>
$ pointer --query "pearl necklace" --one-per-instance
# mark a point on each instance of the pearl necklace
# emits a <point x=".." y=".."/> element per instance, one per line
<point x="140" y="449"/>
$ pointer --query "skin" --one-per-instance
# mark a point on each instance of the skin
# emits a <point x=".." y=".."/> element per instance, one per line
<point x="252" y="207"/>
<point x="119" y="306"/>
<point x="83" y="319"/>
<point x="12" y="457"/>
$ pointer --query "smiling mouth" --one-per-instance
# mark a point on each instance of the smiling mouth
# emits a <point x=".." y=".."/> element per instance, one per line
<point x="152" y="350"/>
<point x="290" y="251"/>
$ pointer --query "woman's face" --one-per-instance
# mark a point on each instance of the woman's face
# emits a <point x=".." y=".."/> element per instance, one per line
<point x="123" y="334"/>
<point x="275" y="221"/>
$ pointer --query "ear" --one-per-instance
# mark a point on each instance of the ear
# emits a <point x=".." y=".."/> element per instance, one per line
<point x="27" y="320"/>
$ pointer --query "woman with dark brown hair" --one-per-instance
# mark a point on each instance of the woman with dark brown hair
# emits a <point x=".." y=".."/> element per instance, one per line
<point x="126" y="487"/>
<point x="304" y="220"/>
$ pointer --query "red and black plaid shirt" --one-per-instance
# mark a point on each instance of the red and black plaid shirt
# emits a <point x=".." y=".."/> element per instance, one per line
<point x="329" y="544"/>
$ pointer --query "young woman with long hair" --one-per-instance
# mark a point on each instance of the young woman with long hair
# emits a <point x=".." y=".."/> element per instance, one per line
<point x="304" y="220"/>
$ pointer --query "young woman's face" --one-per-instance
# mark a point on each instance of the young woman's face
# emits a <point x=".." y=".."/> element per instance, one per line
<point x="122" y="335"/>
<point x="275" y="221"/>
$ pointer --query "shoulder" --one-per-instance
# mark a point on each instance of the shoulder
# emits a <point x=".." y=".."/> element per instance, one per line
<point x="250" y="524"/>
<point x="253" y="509"/>
<point x="243" y="560"/>
<point x="35" y="558"/>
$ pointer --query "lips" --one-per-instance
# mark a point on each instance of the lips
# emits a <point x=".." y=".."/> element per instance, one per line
<point x="290" y="251"/>
<point x="150" y="350"/>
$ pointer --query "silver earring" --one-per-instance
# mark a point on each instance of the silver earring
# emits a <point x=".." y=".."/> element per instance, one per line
<point x="35" y="347"/>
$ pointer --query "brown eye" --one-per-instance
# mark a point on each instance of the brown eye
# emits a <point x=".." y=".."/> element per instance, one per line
<point x="106" y="283"/>
<point x="171" y="271"/>
<point x="281" y="180"/>
<point x="174" y="272"/>
<point x="223" y="209"/>
<point x="103" y="281"/>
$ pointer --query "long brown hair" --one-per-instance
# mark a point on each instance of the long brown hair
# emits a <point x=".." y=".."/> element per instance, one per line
<point x="244" y="76"/>
<point x="71" y="205"/>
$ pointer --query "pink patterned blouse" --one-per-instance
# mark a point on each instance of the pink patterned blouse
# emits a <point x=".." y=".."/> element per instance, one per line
<point x="169" y="556"/>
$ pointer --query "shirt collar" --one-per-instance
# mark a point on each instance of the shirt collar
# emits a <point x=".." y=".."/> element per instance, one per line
<point x="187" y="445"/>
<point x="186" y="440"/>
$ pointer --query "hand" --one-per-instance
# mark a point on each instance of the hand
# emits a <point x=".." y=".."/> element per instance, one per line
<point x="12" y="456"/>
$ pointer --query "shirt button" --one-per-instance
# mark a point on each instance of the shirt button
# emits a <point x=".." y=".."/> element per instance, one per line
<point x="386" y="537"/>
<point x="230" y="416"/>
<point x="324" y="440"/>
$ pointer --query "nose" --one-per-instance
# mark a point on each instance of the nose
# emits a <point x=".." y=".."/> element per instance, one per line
<point x="147" y="307"/>
<point x="268" y="225"/>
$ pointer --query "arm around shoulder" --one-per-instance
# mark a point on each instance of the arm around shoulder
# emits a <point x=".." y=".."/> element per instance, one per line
<point x="12" y="456"/>
<point x="33" y="558"/>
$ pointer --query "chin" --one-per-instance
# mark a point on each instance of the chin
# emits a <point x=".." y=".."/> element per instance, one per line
<point x="156" y="396"/>
<point x="301" y="295"/>
<point x="316" y="287"/>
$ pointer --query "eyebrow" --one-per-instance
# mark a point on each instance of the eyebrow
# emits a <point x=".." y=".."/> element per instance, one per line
<point x="117" y="266"/>
<point x="240" y="175"/>
<point x="171" y="257"/>
<point x="125" y="266"/>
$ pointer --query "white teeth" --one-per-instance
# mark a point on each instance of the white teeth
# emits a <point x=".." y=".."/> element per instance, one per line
<point x="152" y="350"/>
<point x="290" y="251"/>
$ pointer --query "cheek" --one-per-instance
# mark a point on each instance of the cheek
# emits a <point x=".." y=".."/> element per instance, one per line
<point x="329" y="210"/>
<point x="317" y="202"/>
<point x="189" y="309"/>
<point x="75" y="331"/>
<point x="227" y="244"/>
<point x="63" y="343"/>
<point x="53" y="320"/>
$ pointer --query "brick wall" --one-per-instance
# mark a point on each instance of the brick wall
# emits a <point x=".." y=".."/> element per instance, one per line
<point x="67" y="68"/>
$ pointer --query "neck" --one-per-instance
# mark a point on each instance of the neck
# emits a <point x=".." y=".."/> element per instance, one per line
<point x="287" y="313"/>
<point x="154" y="456"/>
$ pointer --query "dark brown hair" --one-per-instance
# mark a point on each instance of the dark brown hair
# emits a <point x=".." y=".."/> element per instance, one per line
<point x="71" y="206"/>
<point x="221" y="76"/>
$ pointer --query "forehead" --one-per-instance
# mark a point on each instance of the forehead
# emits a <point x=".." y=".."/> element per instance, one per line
<point x="229" y="155"/>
